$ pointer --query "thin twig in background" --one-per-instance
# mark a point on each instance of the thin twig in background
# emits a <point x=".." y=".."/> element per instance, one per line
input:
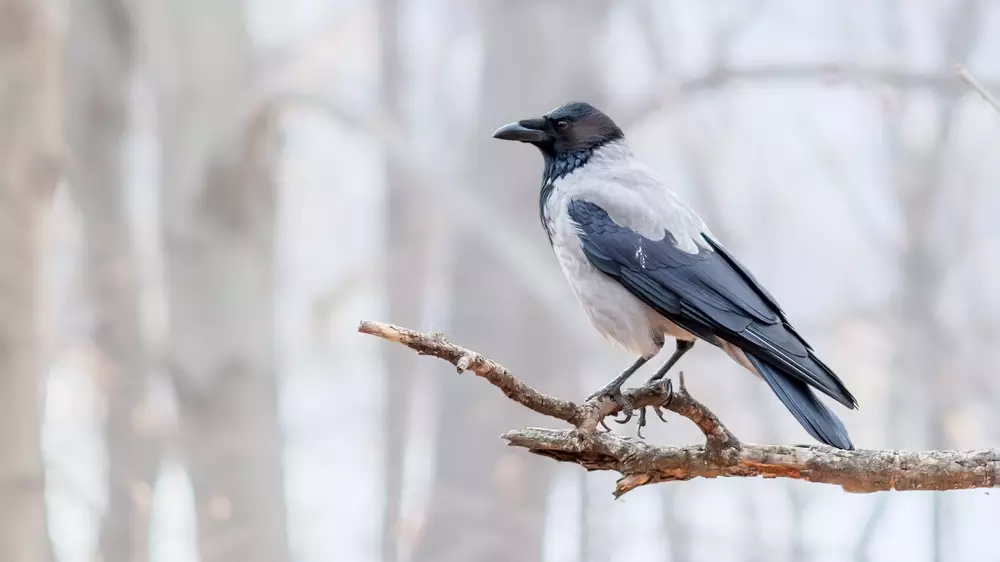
<point x="641" y="463"/>
<point x="969" y="79"/>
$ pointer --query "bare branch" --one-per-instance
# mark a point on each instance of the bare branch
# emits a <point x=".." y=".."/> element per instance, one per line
<point x="467" y="360"/>
<point x="855" y="471"/>
<point x="641" y="463"/>
<point x="723" y="76"/>
<point x="973" y="83"/>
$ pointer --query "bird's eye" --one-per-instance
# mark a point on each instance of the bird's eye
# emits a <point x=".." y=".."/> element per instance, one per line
<point x="562" y="124"/>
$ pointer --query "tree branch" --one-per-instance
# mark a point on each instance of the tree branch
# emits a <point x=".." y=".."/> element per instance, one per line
<point x="723" y="455"/>
<point x="940" y="82"/>
<point x="973" y="83"/>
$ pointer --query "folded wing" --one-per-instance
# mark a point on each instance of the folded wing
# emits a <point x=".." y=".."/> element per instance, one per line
<point x="708" y="293"/>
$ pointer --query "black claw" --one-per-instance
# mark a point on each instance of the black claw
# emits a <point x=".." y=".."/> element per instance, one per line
<point x="628" y="416"/>
<point x="624" y="405"/>
<point x="642" y="422"/>
<point x="605" y="426"/>
<point x="659" y="414"/>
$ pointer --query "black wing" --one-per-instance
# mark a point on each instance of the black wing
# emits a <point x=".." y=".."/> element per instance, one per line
<point x="709" y="294"/>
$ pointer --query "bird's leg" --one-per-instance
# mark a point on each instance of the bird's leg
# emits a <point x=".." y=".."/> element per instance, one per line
<point x="614" y="388"/>
<point x="659" y="412"/>
<point x="683" y="346"/>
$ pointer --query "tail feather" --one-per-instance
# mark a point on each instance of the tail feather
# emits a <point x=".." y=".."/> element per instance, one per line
<point x="800" y="400"/>
<point x="809" y="368"/>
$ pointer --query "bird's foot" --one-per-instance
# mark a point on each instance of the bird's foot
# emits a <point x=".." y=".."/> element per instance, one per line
<point x="668" y="387"/>
<point x="615" y="392"/>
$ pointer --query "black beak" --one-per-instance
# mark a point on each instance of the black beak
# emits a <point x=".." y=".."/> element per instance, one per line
<point x="525" y="130"/>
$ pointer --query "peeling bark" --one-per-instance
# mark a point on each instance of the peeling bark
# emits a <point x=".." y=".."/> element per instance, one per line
<point x="854" y="471"/>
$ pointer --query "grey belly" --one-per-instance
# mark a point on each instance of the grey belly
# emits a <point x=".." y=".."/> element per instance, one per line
<point x="619" y="316"/>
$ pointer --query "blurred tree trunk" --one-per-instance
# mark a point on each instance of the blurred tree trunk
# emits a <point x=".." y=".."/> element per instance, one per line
<point x="919" y="333"/>
<point x="29" y="133"/>
<point x="218" y="220"/>
<point x="679" y="531"/>
<point x="489" y="502"/>
<point x="403" y="282"/>
<point x="99" y="60"/>
<point x="924" y="263"/>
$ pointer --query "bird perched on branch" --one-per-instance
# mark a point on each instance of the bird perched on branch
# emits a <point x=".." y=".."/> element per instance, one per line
<point x="645" y="266"/>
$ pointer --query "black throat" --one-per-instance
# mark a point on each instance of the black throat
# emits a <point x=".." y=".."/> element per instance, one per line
<point x="557" y="166"/>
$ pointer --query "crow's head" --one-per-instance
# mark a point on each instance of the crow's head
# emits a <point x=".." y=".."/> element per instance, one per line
<point x="574" y="127"/>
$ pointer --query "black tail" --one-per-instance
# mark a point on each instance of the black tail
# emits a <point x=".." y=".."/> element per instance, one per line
<point x="812" y="414"/>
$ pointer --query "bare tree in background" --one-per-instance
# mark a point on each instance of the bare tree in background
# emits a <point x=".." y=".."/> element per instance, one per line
<point x="923" y="259"/>
<point x="218" y="220"/>
<point x="489" y="504"/>
<point x="99" y="55"/>
<point x="29" y="144"/>
<point x="405" y="250"/>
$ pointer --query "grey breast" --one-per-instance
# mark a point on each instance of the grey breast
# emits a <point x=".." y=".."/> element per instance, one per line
<point x="634" y="197"/>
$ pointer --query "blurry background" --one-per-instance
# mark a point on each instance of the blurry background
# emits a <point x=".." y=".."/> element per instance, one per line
<point x="199" y="200"/>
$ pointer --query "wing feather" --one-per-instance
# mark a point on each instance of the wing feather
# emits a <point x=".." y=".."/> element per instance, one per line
<point x="708" y="293"/>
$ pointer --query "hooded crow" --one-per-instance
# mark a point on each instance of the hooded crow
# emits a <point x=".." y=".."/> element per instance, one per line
<point x="645" y="266"/>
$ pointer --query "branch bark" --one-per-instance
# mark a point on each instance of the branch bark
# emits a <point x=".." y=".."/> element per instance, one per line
<point x="723" y="455"/>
